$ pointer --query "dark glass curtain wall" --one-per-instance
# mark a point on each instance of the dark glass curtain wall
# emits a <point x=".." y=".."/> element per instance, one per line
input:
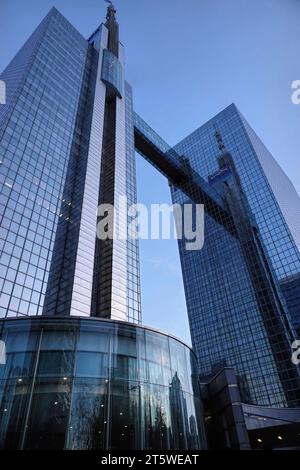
<point x="70" y="383"/>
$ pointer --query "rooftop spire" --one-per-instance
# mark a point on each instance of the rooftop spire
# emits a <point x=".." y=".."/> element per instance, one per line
<point x="111" y="11"/>
<point x="113" y="28"/>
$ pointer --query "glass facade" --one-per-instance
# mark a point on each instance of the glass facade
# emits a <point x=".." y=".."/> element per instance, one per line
<point x="134" y="308"/>
<point x="112" y="72"/>
<point x="225" y="317"/>
<point x="36" y="136"/>
<point x="66" y="145"/>
<point x="290" y="287"/>
<point x="227" y="306"/>
<point x="270" y="194"/>
<point x="75" y="383"/>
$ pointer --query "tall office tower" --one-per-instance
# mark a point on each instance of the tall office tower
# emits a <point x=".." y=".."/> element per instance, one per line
<point x="271" y="195"/>
<point x="77" y="370"/>
<point x="237" y="312"/>
<point x="66" y="146"/>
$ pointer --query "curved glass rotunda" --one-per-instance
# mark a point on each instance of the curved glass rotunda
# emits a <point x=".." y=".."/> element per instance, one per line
<point x="85" y="383"/>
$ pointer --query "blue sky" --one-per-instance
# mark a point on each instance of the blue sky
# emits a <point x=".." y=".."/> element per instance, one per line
<point x="186" y="61"/>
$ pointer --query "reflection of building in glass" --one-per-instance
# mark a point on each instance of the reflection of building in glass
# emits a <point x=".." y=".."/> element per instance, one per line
<point x="238" y="315"/>
<point x="178" y="410"/>
<point x="75" y="383"/>
<point x="271" y="195"/>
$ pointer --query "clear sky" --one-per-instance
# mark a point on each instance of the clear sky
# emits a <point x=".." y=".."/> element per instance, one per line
<point x="187" y="60"/>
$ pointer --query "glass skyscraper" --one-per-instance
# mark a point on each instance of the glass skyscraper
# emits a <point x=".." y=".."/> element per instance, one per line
<point x="64" y="93"/>
<point x="225" y="312"/>
<point x="271" y="195"/>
